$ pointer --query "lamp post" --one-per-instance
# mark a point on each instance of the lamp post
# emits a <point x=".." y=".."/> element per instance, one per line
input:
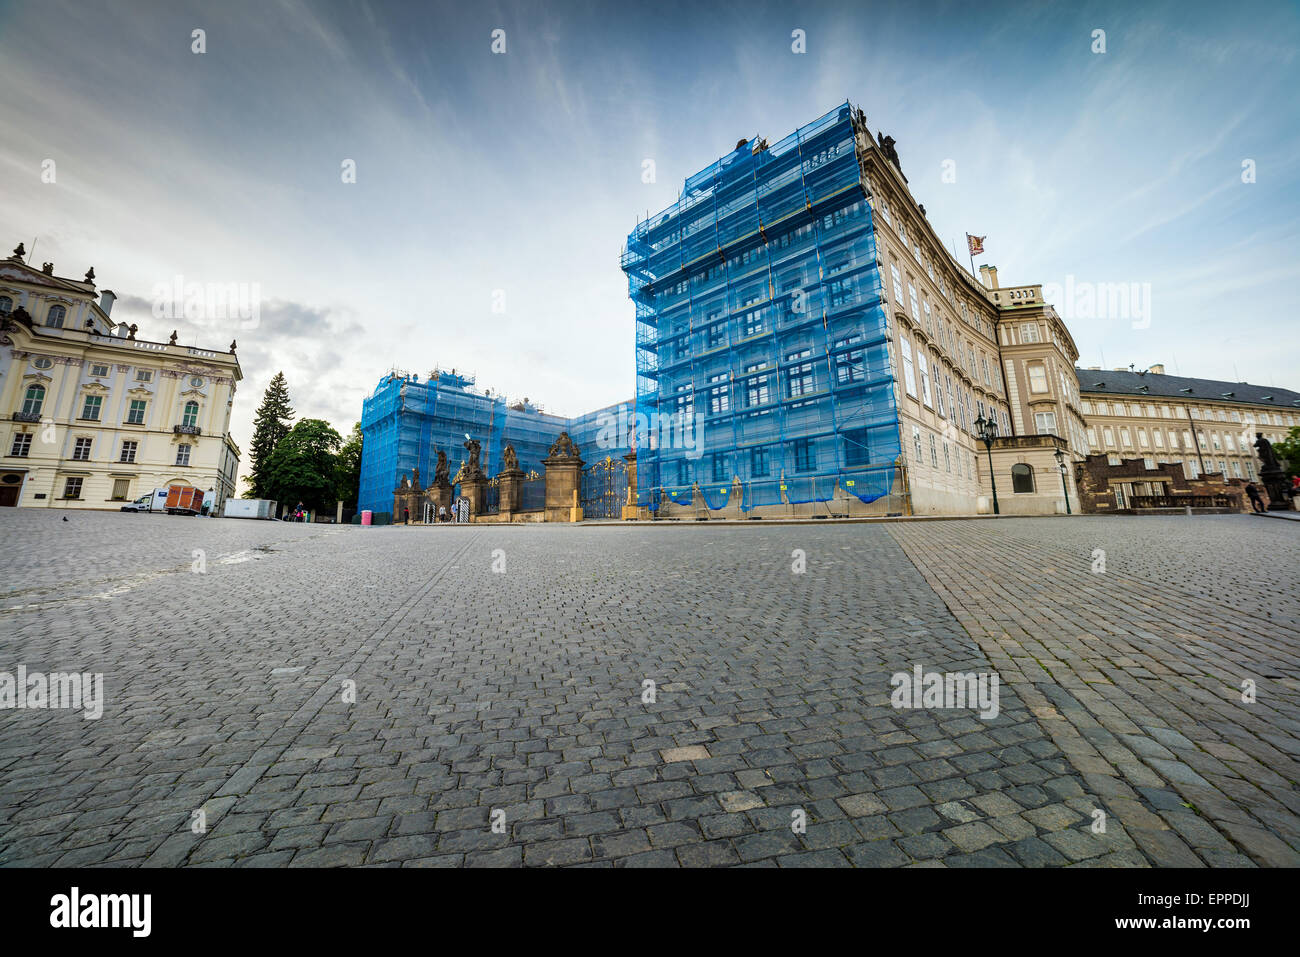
<point x="1060" y="464"/>
<point x="988" y="431"/>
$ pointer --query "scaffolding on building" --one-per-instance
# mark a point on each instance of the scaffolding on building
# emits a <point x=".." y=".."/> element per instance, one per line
<point x="760" y="321"/>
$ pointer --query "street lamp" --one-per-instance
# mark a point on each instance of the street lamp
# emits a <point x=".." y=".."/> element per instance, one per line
<point x="988" y="431"/>
<point x="1060" y="464"/>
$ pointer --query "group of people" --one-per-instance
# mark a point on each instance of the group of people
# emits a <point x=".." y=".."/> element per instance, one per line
<point x="299" y="513"/>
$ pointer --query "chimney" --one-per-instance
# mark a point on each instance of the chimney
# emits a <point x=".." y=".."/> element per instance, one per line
<point x="1158" y="369"/>
<point x="106" y="299"/>
<point x="989" y="274"/>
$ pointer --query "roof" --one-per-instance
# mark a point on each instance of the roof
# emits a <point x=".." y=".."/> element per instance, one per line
<point x="1116" y="382"/>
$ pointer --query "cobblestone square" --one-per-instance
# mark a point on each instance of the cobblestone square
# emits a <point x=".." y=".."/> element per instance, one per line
<point x="501" y="716"/>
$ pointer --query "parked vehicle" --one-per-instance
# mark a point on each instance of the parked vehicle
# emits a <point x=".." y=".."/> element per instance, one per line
<point x="184" y="500"/>
<point x="155" y="501"/>
<point x="250" y="508"/>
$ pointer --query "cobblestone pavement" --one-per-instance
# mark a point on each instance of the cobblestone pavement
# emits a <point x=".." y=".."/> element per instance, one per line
<point x="522" y="692"/>
<point x="1134" y="661"/>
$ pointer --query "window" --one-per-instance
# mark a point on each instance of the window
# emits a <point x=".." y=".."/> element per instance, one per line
<point x="43" y="362"/>
<point x="81" y="450"/>
<point x="719" y="465"/>
<point x="191" y="414"/>
<point x="1029" y="332"/>
<point x="6" y="305"/>
<point x="719" y="395"/>
<point x="909" y="375"/>
<point x="1109" y="436"/>
<point x="857" y="448"/>
<point x="916" y="445"/>
<point x="848" y="365"/>
<point x="805" y="456"/>
<point x="683" y="472"/>
<point x="55" y="317"/>
<point x="1236" y="468"/>
<point x="1126" y="438"/>
<point x="72" y="488"/>
<point x="99" y="371"/>
<point x="34" y="399"/>
<point x="924" y="366"/>
<point x="1022" y="478"/>
<point x="756" y="391"/>
<point x="22" y="445"/>
<point x="934" y="452"/>
<point x="916" y="309"/>
<point x="759" y="462"/>
<point x="716" y="335"/>
<point x="196" y="381"/>
<point x="1158" y="437"/>
<point x="800" y="379"/>
<point x="128" y="451"/>
<point x="90" y="410"/>
<point x="135" y="414"/>
<point x="182" y="455"/>
<point x="898" y="284"/>
<point x="121" y="488"/>
<point x="947" y="458"/>
<point x="1037" y="377"/>
<point x="928" y="327"/>
<point x="143" y="375"/>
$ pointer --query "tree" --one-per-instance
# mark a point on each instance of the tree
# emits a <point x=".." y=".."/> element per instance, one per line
<point x="304" y="466"/>
<point x="1288" y="450"/>
<point x="269" y="428"/>
<point x="349" y="467"/>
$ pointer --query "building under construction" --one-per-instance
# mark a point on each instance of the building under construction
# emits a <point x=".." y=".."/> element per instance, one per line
<point x="408" y="420"/>
<point x="760" y="318"/>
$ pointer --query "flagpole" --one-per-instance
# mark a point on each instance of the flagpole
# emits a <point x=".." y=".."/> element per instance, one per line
<point x="972" y="256"/>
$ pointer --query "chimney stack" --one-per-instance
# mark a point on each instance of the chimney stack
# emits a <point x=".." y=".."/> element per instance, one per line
<point x="989" y="275"/>
<point x="1157" y="369"/>
<point x="106" y="299"/>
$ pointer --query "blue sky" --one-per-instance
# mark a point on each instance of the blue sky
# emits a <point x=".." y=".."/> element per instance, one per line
<point x="522" y="172"/>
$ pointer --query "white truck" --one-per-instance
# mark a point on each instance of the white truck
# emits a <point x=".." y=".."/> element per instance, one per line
<point x="155" y="501"/>
<point x="250" y="508"/>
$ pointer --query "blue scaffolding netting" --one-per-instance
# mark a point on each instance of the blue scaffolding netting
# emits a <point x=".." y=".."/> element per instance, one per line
<point x="407" y="421"/>
<point x="761" y="331"/>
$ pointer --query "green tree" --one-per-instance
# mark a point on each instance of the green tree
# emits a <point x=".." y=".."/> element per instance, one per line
<point x="270" y="426"/>
<point x="349" y="468"/>
<point x="304" y="466"/>
<point x="1289" y="451"/>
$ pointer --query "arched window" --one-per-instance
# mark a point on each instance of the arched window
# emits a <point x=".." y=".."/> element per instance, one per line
<point x="1022" y="478"/>
<point x="191" y="416"/>
<point x="34" y="400"/>
<point x="55" y="319"/>
<point x="6" y="305"/>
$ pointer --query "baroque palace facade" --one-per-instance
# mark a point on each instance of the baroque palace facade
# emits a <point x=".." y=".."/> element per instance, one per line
<point x="94" y="417"/>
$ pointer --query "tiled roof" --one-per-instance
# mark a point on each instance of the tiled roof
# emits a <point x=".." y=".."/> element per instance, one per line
<point x="1113" y="382"/>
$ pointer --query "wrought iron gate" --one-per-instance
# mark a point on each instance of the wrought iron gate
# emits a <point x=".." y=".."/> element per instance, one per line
<point x="604" y="489"/>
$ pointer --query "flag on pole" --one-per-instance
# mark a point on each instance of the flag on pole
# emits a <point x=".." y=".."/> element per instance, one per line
<point x="975" y="243"/>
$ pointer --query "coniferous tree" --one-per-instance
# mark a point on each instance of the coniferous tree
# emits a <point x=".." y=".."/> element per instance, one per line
<point x="270" y="426"/>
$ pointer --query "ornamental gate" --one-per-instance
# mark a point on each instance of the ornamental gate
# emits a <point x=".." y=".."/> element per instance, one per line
<point x="604" y="489"/>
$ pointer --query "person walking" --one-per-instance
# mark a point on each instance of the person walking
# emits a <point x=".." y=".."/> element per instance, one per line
<point x="442" y="513"/>
<point x="1252" y="493"/>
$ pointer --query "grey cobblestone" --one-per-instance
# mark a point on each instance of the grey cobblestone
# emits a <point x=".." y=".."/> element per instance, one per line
<point x="521" y="692"/>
